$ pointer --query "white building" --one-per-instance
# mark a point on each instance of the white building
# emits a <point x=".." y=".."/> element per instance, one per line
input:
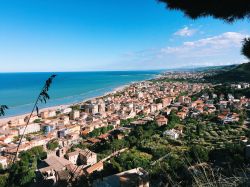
<point x="3" y="162"/>
<point x="74" y="114"/>
<point x="172" y="133"/>
<point x="33" y="127"/>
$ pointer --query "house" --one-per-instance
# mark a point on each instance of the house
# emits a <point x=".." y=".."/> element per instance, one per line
<point x="74" y="129"/>
<point x="44" y="114"/>
<point x="172" y="133"/>
<point x="138" y="122"/>
<point x="47" y="128"/>
<point x="74" y="137"/>
<point x="72" y="157"/>
<point x="84" y="157"/>
<point x="166" y="101"/>
<point x="30" y="128"/>
<point x="104" y="137"/>
<point x="85" y="132"/>
<point x="93" y="140"/>
<point x="161" y="120"/>
<point x="137" y="177"/>
<point x="66" y="110"/>
<point x="74" y="114"/>
<point x="184" y="100"/>
<point x="3" y="162"/>
<point x="181" y="115"/>
<point x="228" y="117"/>
<point x="96" y="167"/>
<point x="64" y="120"/>
<point x="53" y="164"/>
<point x="6" y="139"/>
<point x="48" y="114"/>
<point x="87" y="157"/>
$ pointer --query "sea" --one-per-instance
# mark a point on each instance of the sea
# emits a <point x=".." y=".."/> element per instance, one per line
<point x="19" y="90"/>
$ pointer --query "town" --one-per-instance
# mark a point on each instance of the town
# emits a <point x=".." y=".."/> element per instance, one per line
<point x="150" y="120"/>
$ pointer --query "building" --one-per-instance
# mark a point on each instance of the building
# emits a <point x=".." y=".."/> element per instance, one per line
<point x="172" y="133"/>
<point x="74" y="114"/>
<point x="48" y="128"/>
<point x="96" y="167"/>
<point x="184" y="100"/>
<point x="54" y="164"/>
<point x="137" y="177"/>
<point x="3" y="162"/>
<point x="48" y="114"/>
<point x="161" y="120"/>
<point x="83" y="157"/>
<point x="31" y="128"/>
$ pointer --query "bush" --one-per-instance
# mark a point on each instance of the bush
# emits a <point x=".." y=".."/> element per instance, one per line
<point x="52" y="145"/>
<point x="198" y="154"/>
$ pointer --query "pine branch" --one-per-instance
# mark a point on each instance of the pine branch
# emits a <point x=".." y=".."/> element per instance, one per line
<point x="2" y="109"/>
<point x="43" y="97"/>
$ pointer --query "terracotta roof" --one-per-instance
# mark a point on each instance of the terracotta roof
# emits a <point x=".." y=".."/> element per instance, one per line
<point x="97" y="166"/>
<point x="93" y="140"/>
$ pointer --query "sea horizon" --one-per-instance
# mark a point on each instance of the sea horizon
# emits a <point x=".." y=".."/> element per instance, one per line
<point x="19" y="90"/>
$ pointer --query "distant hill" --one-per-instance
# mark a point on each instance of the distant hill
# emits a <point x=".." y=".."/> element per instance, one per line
<point x="216" y="68"/>
<point x="234" y="73"/>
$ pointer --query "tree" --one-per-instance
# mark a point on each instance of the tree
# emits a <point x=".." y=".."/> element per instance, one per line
<point x="227" y="10"/>
<point x="133" y="159"/>
<point x="246" y="47"/>
<point x="3" y="180"/>
<point x="52" y="145"/>
<point x="22" y="172"/>
<point x="198" y="153"/>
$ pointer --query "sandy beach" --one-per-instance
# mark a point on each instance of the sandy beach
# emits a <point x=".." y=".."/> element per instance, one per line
<point x="59" y="107"/>
<point x="5" y="120"/>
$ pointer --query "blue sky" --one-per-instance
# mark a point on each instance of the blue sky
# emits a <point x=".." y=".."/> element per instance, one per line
<point x="81" y="35"/>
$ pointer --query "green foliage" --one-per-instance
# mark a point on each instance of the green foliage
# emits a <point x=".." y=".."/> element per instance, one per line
<point x="4" y="180"/>
<point x="227" y="10"/>
<point x="2" y="109"/>
<point x="198" y="154"/>
<point x="173" y="120"/>
<point x="133" y="159"/>
<point x="52" y="145"/>
<point x="158" y="100"/>
<point x="75" y="107"/>
<point x="125" y="122"/>
<point x="240" y="73"/>
<point x="36" y="152"/>
<point x="99" y="131"/>
<point x="22" y="172"/>
<point x="37" y="121"/>
<point x="246" y="48"/>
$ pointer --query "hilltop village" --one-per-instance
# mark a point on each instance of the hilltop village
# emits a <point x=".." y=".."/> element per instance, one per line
<point x="130" y="136"/>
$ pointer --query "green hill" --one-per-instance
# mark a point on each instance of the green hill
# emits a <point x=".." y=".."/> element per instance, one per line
<point x="240" y="73"/>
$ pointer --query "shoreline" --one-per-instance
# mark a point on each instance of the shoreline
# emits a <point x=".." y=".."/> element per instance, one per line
<point x="58" y="107"/>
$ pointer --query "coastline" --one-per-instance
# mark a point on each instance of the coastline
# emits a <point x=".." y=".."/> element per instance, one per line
<point x="59" y="107"/>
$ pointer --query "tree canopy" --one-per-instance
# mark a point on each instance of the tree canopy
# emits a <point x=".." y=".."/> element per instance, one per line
<point x="246" y="48"/>
<point x="227" y="10"/>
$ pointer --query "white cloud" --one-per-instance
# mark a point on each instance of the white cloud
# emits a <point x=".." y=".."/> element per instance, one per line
<point x="222" y="49"/>
<point x="208" y="46"/>
<point x="186" y="31"/>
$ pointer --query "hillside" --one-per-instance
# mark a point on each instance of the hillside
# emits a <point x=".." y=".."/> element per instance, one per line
<point x="240" y="73"/>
